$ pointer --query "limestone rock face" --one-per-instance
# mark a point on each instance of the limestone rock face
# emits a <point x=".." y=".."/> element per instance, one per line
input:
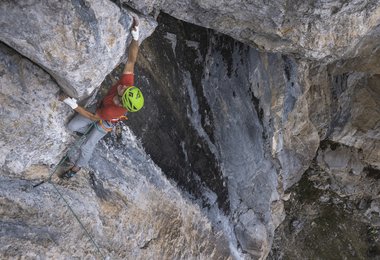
<point x="233" y="128"/>
<point x="311" y="29"/>
<point x="77" y="42"/>
<point x="243" y="109"/>
<point x="32" y="119"/>
<point x="129" y="209"/>
<point x="127" y="206"/>
<point x="356" y="122"/>
<point x="262" y="116"/>
<point x="322" y="224"/>
<point x="347" y="171"/>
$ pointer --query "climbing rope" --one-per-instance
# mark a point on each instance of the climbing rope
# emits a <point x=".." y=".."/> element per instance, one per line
<point x="80" y="222"/>
<point x="79" y="142"/>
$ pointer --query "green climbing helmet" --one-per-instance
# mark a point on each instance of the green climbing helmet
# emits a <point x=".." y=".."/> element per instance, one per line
<point x="132" y="99"/>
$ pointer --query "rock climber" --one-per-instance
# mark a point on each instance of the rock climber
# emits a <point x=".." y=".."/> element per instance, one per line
<point x="123" y="97"/>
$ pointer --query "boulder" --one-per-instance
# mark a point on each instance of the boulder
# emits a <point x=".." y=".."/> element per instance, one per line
<point x="346" y="171"/>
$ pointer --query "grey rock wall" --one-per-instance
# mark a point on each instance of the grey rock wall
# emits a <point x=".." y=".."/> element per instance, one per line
<point x="348" y="174"/>
<point x="322" y="224"/>
<point x="128" y="207"/>
<point x="244" y="112"/>
<point x="77" y="42"/>
<point x="356" y="122"/>
<point x="311" y="29"/>
<point x="262" y="116"/>
<point x="232" y="127"/>
<point x="31" y="118"/>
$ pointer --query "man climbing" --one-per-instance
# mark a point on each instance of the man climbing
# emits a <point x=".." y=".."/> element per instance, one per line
<point x="123" y="97"/>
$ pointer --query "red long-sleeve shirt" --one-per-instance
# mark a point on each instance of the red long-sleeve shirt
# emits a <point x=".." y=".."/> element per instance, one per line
<point x="108" y="110"/>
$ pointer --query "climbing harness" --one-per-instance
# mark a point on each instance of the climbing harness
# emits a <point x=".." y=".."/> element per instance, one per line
<point x="79" y="142"/>
<point x="121" y="118"/>
<point x="68" y="175"/>
<point x="105" y="128"/>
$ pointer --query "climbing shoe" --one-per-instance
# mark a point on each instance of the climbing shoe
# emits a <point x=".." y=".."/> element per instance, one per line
<point x="78" y="133"/>
<point x="68" y="175"/>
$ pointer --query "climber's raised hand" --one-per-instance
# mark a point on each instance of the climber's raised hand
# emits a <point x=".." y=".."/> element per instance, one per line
<point x="135" y="29"/>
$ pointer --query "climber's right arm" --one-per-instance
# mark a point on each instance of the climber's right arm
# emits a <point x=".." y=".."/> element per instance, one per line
<point x="72" y="102"/>
<point x="87" y="114"/>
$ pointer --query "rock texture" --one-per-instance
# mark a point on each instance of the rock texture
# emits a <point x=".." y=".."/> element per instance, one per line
<point x="128" y="207"/>
<point x="311" y="29"/>
<point x="358" y="116"/>
<point x="76" y="42"/>
<point x="251" y="123"/>
<point x="347" y="172"/>
<point x="231" y="127"/>
<point x="322" y="224"/>
<point x="261" y="116"/>
<point x="32" y="119"/>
